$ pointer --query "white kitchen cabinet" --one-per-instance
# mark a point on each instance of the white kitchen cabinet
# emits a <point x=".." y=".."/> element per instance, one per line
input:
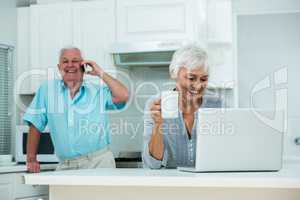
<point x="94" y="29"/>
<point x="219" y="21"/>
<point x="23" y="61"/>
<point x="12" y="187"/>
<point x="6" y="186"/>
<point x="219" y="36"/>
<point x="21" y="190"/>
<point x="94" y="25"/>
<point x="94" y="32"/>
<point x="205" y="21"/>
<point x="87" y="25"/>
<point x="50" y="30"/>
<point x="148" y="20"/>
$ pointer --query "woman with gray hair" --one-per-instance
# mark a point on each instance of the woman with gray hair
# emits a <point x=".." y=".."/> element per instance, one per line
<point x="172" y="142"/>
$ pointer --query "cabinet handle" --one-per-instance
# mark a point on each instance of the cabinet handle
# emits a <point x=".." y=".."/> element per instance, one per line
<point x="297" y="140"/>
<point x="169" y="44"/>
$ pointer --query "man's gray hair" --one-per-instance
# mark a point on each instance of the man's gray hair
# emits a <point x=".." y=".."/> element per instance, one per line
<point x="69" y="47"/>
<point x="189" y="56"/>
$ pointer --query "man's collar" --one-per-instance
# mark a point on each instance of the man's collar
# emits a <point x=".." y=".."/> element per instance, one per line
<point x="63" y="85"/>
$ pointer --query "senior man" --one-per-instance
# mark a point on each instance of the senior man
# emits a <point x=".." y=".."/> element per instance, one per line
<point x="74" y="111"/>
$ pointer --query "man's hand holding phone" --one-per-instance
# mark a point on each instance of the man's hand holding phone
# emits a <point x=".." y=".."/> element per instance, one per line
<point x="94" y="70"/>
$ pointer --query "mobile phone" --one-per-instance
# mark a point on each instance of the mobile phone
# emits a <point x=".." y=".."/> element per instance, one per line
<point x="83" y="68"/>
<point x="86" y="68"/>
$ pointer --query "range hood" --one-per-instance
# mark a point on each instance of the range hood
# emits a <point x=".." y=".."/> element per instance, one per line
<point x="156" y="53"/>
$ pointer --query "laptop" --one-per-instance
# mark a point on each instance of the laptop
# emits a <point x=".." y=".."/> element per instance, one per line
<point x="237" y="140"/>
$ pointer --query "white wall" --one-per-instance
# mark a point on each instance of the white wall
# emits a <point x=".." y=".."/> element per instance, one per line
<point x="127" y="134"/>
<point x="266" y="43"/>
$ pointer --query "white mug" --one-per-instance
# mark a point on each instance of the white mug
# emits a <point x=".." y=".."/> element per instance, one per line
<point x="169" y="104"/>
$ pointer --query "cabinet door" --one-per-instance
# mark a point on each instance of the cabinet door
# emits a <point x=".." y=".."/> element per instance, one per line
<point x="51" y="29"/>
<point x="219" y="21"/>
<point x="94" y="31"/>
<point x="148" y="20"/>
<point x="23" y="62"/>
<point x="219" y="43"/>
<point x="6" y="186"/>
<point x="22" y="190"/>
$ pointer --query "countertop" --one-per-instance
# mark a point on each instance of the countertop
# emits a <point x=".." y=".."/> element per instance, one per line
<point x="22" y="168"/>
<point x="288" y="177"/>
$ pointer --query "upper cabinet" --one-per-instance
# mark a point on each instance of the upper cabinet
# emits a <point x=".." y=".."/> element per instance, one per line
<point x="94" y="29"/>
<point x="219" y="21"/>
<point x="205" y="21"/>
<point x="89" y="26"/>
<point x="145" y="20"/>
<point x="94" y="32"/>
<point x="23" y="61"/>
<point x="50" y="30"/>
<point x="219" y="43"/>
<point x="94" y="25"/>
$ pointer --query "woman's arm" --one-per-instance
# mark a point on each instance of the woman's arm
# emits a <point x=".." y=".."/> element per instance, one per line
<point x="156" y="143"/>
<point x="154" y="154"/>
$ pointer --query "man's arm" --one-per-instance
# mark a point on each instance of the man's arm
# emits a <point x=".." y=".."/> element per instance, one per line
<point x="119" y="91"/>
<point x="32" y="147"/>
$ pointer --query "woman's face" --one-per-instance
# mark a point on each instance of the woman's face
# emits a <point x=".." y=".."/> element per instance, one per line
<point x="191" y="83"/>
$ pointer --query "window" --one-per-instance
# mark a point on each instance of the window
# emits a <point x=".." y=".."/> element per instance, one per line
<point x="5" y="98"/>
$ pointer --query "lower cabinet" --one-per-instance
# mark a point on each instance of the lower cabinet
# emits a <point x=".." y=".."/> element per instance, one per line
<point x="12" y="187"/>
<point x="6" y="186"/>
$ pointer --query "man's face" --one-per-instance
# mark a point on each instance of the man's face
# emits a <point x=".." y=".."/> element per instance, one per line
<point x="70" y="65"/>
<point x="192" y="83"/>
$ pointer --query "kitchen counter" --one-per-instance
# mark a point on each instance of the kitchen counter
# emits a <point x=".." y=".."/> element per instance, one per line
<point x="284" y="184"/>
<point x="23" y="168"/>
<point x="288" y="177"/>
